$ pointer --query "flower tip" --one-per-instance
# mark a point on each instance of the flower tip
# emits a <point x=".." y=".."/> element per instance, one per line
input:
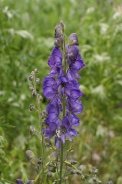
<point x="73" y="39"/>
<point x="58" y="31"/>
<point x="62" y="25"/>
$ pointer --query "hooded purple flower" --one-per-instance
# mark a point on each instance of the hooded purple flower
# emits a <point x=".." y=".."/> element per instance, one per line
<point x="74" y="106"/>
<point x="75" y="62"/>
<point x="50" y="87"/>
<point x="66" y="130"/>
<point x="55" y="62"/>
<point x="52" y="121"/>
<point x="69" y="88"/>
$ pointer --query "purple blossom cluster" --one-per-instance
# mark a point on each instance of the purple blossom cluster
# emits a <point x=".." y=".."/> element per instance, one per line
<point x="62" y="89"/>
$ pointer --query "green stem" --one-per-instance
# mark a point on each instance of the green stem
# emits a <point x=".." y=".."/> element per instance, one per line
<point x="61" y="163"/>
<point x="42" y="138"/>
<point x="64" y="112"/>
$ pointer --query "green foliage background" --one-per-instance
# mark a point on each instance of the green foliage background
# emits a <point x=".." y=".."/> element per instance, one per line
<point x="26" y="40"/>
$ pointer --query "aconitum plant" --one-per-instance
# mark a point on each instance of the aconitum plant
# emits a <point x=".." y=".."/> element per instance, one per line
<point x="59" y="120"/>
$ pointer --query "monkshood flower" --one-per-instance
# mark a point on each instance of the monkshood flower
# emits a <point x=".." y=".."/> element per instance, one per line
<point x="75" y="62"/>
<point x="18" y="181"/>
<point x="70" y="88"/>
<point x="62" y="89"/>
<point x="50" y="87"/>
<point x="55" y="62"/>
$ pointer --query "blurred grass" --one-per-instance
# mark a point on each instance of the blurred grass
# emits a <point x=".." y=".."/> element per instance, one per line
<point x="26" y="40"/>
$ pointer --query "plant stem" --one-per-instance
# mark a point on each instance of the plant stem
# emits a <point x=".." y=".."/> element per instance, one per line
<point x="64" y="112"/>
<point x="61" y="163"/>
<point x="42" y="138"/>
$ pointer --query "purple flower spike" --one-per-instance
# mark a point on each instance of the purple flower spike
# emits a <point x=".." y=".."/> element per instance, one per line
<point x="55" y="62"/>
<point x="62" y="88"/>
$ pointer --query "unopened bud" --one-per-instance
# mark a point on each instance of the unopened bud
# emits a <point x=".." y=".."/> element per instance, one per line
<point x="52" y="168"/>
<point x="110" y="182"/>
<point x="62" y="25"/>
<point x="73" y="162"/>
<point x="99" y="182"/>
<point x="78" y="172"/>
<point x="82" y="177"/>
<point x="94" y="179"/>
<point x="49" y="174"/>
<point x="30" y="154"/>
<point x="36" y="70"/>
<point x="32" y="130"/>
<point x="58" y="31"/>
<point x="44" y="114"/>
<point x="34" y="93"/>
<point x="54" y="156"/>
<point x="30" y="88"/>
<point x="39" y="97"/>
<point x="38" y="81"/>
<point x="48" y="142"/>
<point x="32" y="107"/>
<point x="31" y="157"/>
<point x="96" y="171"/>
<point x="73" y="39"/>
<point x="73" y="172"/>
<point x="31" y="77"/>
<point x="30" y="181"/>
<point x="90" y="171"/>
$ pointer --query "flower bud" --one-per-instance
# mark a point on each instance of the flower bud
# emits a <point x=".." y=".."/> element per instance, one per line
<point x="32" y="130"/>
<point x="39" y="97"/>
<point x="52" y="168"/>
<point x="99" y="182"/>
<point x="73" y="39"/>
<point x="31" y="157"/>
<point x="54" y="156"/>
<point x="44" y="114"/>
<point x="94" y="179"/>
<point x="82" y="177"/>
<point x="58" y="31"/>
<point x="31" y="77"/>
<point x="31" y="88"/>
<point x="34" y="93"/>
<point x="48" y="142"/>
<point x="110" y="182"/>
<point x="87" y="176"/>
<point x="38" y="81"/>
<point x="75" y="172"/>
<point x="32" y="107"/>
<point x="62" y="25"/>
<point x="49" y="174"/>
<point x="36" y="70"/>
<point x="30" y="154"/>
<point x="73" y="162"/>
<point x="96" y="171"/>
<point x="90" y="171"/>
<point x="30" y="181"/>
